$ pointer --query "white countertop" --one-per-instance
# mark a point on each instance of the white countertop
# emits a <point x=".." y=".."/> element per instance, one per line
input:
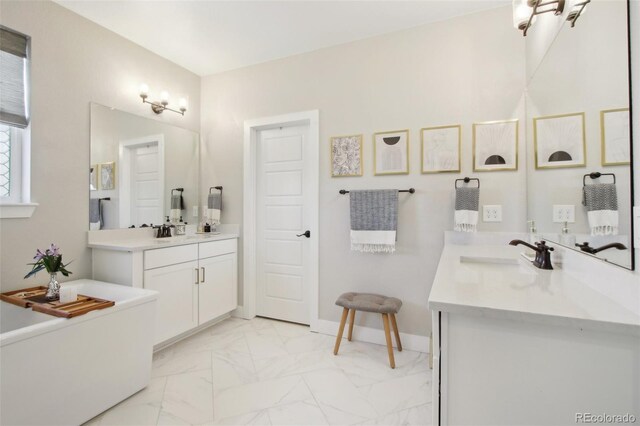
<point x="146" y="243"/>
<point x="519" y="291"/>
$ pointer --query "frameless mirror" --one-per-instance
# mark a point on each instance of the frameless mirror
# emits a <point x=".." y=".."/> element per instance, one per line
<point x="578" y="136"/>
<point x="141" y="171"/>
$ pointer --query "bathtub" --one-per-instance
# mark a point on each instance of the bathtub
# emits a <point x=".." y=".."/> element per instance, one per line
<point x="58" y="371"/>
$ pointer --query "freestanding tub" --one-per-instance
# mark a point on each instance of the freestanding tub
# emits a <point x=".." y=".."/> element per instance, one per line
<point x="58" y="371"/>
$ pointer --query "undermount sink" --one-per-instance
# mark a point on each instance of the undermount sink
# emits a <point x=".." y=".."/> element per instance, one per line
<point x="489" y="260"/>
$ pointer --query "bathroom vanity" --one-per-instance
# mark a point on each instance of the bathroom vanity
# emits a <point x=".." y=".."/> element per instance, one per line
<point x="195" y="275"/>
<point x="514" y="344"/>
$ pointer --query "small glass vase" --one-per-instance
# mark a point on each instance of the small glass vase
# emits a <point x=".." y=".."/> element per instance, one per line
<point x="53" y="290"/>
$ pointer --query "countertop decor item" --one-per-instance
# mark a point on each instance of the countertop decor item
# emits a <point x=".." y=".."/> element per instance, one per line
<point x="51" y="260"/>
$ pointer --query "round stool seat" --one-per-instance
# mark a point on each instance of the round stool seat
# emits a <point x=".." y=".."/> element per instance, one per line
<point x="369" y="302"/>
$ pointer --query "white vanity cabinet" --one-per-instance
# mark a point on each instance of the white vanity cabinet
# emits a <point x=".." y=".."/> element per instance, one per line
<point x="196" y="282"/>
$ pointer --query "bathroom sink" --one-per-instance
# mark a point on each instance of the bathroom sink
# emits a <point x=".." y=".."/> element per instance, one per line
<point x="489" y="260"/>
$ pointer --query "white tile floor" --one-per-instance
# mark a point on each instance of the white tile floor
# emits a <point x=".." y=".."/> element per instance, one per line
<point x="265" y="372"/>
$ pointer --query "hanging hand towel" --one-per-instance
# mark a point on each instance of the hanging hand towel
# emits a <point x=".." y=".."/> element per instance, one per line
<point x="466" y="213"/>
<point x="214" y="205"/>
<point x="177" y="205"/>
<point x="95" y="214"/>
<point x="601" y="200"/>
<point x="374" y="220"/>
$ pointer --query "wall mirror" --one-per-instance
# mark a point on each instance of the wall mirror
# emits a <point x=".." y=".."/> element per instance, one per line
<point x="141" y="171"/>
<point x="578" y="137"/>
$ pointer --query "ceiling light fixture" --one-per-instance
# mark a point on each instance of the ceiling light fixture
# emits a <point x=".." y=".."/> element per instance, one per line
<point x="525" y="11"/>
<point x="577" y="10"/>
<point x="159" y="107"/>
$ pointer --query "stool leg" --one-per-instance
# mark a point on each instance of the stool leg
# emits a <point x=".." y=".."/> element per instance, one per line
<point x="394" y="324"/>
<point x="345" y="311"/>
<point x="352" y="316"/>
<point x="387" y="334"/>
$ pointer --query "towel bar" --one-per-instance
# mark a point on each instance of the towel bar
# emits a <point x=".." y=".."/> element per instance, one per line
<point x="410" y="191"/>
<point x="466" y="180"/>
<point x="596" y="175"/>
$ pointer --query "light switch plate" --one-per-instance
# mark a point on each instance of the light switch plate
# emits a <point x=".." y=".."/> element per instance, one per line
<point x="194" y="212"/>
<point x="492" y="213"/>
<point x="564" y="213"/>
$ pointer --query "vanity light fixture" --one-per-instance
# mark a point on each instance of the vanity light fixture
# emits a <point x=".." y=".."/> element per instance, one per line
<point x="525" y="11"/>
<point x="577" y="9"/>
<point x="159" y="107"/>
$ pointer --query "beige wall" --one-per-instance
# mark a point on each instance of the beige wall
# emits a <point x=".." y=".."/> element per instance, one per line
<point x="75" y="62"/>
<point x="458" y="71"/>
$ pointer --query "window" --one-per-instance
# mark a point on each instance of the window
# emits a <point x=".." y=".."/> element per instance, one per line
<point x="14" y="125"/>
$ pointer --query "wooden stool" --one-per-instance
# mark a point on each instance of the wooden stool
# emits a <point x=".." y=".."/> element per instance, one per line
<point x="367" y="302"/>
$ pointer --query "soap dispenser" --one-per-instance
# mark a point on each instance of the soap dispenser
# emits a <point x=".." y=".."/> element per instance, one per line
<point x="566" y="238"/>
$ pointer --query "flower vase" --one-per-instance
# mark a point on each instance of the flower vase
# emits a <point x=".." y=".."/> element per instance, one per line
<point x="53" y="290"/>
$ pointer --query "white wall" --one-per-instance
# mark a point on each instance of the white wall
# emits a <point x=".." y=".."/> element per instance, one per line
<point x="459" y="71"/>
<point x="75" y="62"/>
<point x="635" y="108"/>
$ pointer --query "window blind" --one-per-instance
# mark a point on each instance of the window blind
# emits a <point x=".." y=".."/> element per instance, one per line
<point x="14" y="57"/>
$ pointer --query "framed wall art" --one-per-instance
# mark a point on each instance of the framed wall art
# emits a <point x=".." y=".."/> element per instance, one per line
<point x="559" y="141"/>
<point x="615" y="137"/>
<point x="495" y="146"/>
<point x="441" y="149"/>
<point x="346" y="156"/>
<point x="93" y="177"/>
<point x="391" y="152"/>
<point x="108" y="175"/>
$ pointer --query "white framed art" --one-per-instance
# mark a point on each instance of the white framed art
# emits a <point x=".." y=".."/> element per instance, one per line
<point x="441" y="149"/>
<point x="495" y="146"/>
<point x="559" y="141"/>
<point x="391" y="152"/>
<point x="615" y="137"/>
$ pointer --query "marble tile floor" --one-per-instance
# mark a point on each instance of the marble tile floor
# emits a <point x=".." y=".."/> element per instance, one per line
<point x="267" y="372"/>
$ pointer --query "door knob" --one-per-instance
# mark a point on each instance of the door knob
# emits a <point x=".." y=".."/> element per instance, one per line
<point x="306" y="233"/>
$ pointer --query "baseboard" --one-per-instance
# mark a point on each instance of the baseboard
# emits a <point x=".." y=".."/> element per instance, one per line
<point x="162" y="345"/>
<point x="238" y="312"/>
<point x="412" y="342"/>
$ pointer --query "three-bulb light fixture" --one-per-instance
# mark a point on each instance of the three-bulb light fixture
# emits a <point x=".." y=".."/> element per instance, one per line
<point x="159" y="107"/>
<point x="526" y="11"/>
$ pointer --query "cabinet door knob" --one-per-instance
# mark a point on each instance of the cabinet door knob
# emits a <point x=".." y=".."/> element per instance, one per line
<point x="197" y="276"/>
<point x="202" y="268"/>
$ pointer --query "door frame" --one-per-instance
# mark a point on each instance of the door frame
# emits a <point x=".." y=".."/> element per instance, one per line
<point x="251" y="129"/>
<point x="124" y="175"/>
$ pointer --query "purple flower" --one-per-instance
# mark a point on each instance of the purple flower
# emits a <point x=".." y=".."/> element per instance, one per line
<point x="39" y="255"/>
<point x="54" y="250"/>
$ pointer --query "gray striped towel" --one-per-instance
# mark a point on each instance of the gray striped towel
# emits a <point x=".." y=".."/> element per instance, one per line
<point x="466" y="213"/>
<point x="214" y="206"/>
<point x="374" y="220"/>
<point x="601" y="201"/>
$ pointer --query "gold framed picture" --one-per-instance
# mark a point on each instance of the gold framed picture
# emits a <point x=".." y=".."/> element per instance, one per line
<point x="346" y="156"/>
<point x="441" y="148"/>
<point x="108" y="175"/>
<point x="391" y="152"/>
<point x="495" y="146"/>
<point x="559" y="141"/>
<point x="615" y="137"/>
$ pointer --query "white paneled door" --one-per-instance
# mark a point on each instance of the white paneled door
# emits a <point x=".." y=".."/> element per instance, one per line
<point x="146" y="199"/>
<point x="283" y="216"/>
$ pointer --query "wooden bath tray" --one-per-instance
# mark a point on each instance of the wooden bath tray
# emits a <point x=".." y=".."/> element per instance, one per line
<point x="34" y="298"/>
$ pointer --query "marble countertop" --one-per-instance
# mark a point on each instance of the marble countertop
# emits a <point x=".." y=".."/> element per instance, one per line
<point x="495" y="280"/>
<point x="148" y="243"/>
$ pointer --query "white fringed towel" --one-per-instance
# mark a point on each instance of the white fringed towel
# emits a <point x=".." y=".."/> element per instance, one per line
<point x="466" y="214"/>
<point x="374" y="220"/>
<point x="601" y="201"/>
<point x="214" y="207"/>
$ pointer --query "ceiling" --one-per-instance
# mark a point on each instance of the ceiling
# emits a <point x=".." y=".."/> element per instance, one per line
<point x="209" y="37"/>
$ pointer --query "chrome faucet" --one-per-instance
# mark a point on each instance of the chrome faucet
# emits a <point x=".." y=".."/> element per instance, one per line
<point x="585" y="247"/>
<point x="543" y="253"/>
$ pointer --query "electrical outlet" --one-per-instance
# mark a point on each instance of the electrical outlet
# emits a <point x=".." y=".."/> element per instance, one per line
<point x="492" y="213"/>
<point x="194" y="211"/>
<point x="564" y="213"/>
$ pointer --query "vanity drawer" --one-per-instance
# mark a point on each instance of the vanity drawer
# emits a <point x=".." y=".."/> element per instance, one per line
<point x="217" y="248"/>
<point x="170" y="256"/>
